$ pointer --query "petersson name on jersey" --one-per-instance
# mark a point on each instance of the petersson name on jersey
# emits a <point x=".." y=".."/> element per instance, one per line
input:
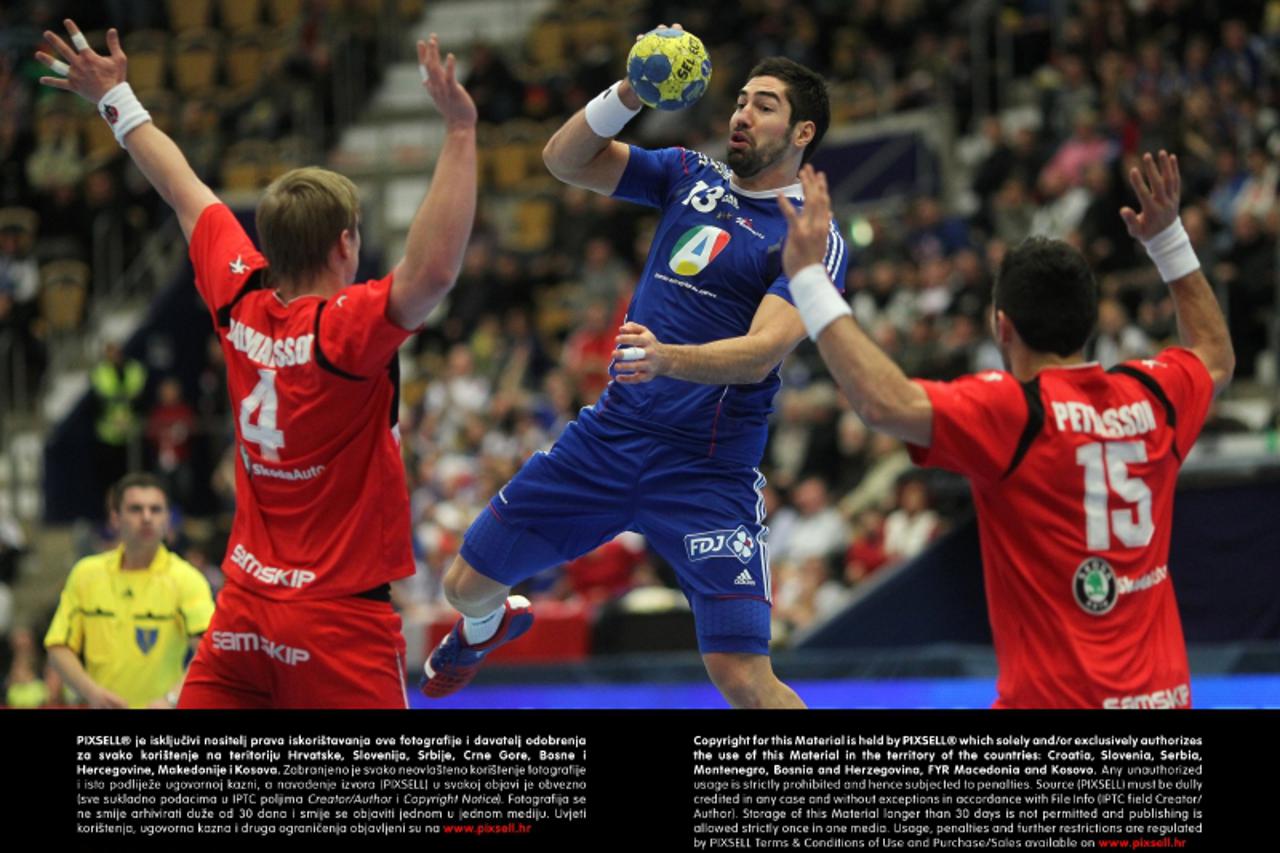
<point x="1136" y="418"/>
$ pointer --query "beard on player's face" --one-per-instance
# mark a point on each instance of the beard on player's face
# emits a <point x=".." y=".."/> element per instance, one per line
<point x="754" y="159"/>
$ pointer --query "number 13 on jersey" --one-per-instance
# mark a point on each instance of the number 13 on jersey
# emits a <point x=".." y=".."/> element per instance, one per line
<point x="262" y="401"/>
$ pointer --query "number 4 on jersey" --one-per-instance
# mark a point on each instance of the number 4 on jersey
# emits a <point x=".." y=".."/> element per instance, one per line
<point x="1109" y="462"/>
<point x="263" y="402"/>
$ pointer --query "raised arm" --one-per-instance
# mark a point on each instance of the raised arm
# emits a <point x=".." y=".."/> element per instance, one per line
<point x="441" y="228"/>
<point x="1201" y="326"/>
<point x="583" y="152"/>
<point x="878" y="390"/>
<point x="100" y="80"/>
<point x="580" y="153"/>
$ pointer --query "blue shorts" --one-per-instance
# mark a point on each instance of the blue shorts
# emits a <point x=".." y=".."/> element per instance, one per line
<point x="703" y="516"/>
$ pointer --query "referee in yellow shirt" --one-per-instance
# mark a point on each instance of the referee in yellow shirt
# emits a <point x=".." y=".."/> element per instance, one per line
<point x="128" y="616"/>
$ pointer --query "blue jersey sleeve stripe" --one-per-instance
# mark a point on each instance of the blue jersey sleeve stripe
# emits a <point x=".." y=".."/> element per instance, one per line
<point x="833" y="246"/>
<point x="835" y="253"/>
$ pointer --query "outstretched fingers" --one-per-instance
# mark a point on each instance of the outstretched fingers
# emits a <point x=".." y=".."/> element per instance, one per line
<point x="78" y="40"/>
<point x="1154" y="178"/>
<point x="59" y="45"/>
<point x="817" y="201"/>
<point x="434" y="70"/>
<point x="55" y="83"/>
<point x="58" y="67"/>
<point x="1172" y="178"/>
<point x="113" y="44"/>
<point x="788" y="210"/>
<point x="429" y="59"/>
<point x="1130" y="217"/>
<point x="1140" y="187"/>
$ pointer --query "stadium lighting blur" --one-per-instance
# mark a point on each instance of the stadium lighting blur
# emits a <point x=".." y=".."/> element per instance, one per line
<point x="860" y="231"/>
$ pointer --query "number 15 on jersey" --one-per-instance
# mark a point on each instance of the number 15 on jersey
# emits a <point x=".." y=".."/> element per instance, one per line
<point x="1106" y="470"/>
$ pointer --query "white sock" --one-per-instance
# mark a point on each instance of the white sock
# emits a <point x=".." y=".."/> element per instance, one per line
<point x="476" y="631"/>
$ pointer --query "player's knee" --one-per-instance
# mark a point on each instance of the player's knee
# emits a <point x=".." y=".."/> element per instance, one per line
<point x="467" y="590"/>
<point x="458" y="586"/>
<point x="744" y="680"/>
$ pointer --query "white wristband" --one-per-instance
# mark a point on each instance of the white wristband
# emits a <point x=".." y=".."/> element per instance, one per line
<point x="1172" y="252"/>
<point x="122" y="110"/>
<point x="817" y="299"/>
<point x="607" y="115"/>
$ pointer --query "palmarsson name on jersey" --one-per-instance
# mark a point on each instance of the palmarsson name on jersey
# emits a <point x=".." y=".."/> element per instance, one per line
<point x="268" y="351"/>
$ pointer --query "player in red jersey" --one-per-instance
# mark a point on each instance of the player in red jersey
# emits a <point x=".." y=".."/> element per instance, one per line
<point x="322" y="514"/>
<point x="1072" y="467"/>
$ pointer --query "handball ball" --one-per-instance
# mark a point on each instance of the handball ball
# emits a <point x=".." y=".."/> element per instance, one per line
<point x="669" y="69"/>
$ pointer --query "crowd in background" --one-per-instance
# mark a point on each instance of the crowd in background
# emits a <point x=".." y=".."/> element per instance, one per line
<point x="527" y="334"/>
<point x="1114" y="81"/>
<point x="245" y="100"/>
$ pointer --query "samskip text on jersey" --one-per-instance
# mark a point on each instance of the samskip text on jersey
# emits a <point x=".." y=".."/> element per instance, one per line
<point x="254" y="568"/>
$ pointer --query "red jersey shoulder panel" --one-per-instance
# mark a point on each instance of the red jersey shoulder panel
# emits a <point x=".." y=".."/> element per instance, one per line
<point x="1187" y="385"/>
<point x="977" y="421"/>
<point x="223" y="256"/>
<point x="354" y="333"/>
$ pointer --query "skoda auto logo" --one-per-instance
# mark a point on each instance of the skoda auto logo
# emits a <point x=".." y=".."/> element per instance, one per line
<point x="1095" y="587"/>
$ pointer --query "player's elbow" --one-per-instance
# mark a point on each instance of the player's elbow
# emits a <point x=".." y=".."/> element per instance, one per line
<point x="437" y="285"/>
<point x="566" y="167"/>
<point x="553" y="160"/>
<point x="891" y="412"/>
<point x="423" y="278"/>
<point x="1218" y="356"/>
<point x="875" y="414"/>
<point x="413" y="297"/>
<point x="1222" y="368"/>
<point x="759" y="371"/>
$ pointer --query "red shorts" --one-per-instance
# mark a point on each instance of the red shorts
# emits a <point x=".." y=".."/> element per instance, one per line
<point x="331" y="653"/>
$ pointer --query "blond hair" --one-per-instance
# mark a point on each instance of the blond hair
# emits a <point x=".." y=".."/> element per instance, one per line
<point x="301" y="215"/>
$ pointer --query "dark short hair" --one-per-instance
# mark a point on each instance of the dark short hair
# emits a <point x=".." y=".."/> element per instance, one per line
<point x="806" y="93"/>
<point x="1048" y="292"/>
<point x="137" y="480"/>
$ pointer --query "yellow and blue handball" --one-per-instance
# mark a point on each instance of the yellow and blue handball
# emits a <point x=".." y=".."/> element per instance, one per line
<point x="669" y="69"/>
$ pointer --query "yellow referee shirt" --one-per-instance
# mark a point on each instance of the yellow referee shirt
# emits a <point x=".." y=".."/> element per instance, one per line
<point x="132" y="628"/>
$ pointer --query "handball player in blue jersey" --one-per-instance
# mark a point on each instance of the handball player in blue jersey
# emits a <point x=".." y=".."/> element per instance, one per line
<point x="671" y="448"/>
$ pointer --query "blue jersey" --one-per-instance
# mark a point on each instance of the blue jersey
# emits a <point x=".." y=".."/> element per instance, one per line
<point x="717" y="252"/>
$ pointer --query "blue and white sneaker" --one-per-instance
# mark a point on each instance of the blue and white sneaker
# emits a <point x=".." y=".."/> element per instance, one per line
<point x="455" y="661"/>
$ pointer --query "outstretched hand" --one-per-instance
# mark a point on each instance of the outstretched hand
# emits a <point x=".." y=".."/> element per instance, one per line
<point x="1158" y="187"/>
<point x="807" y="229"/>
<point x="89" y="74"/>
<point x="441" y="82"/>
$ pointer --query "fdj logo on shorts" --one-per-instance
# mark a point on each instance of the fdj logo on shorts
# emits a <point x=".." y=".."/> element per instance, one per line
<point x="721" y="543"/>
<point x="696" y="248"/>
<point x="1095" y="586"/>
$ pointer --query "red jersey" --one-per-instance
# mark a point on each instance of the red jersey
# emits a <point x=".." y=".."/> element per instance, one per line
<point x="322" y="508"/>
<point x="1073" y="475"/>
